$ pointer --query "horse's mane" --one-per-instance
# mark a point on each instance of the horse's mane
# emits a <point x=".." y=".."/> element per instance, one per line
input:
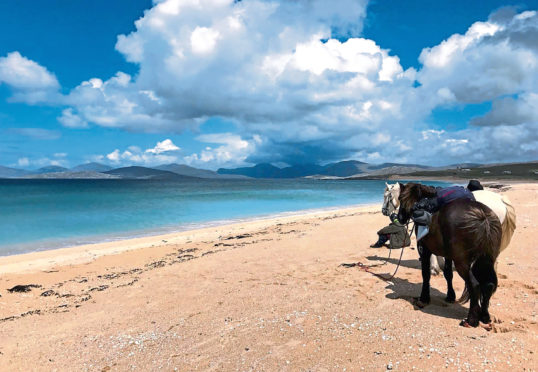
<point x="412" y="192"/>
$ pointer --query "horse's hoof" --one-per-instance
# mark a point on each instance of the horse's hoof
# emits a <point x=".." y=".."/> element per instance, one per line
<point x="465" y="323"/>
<point x="487" y="326"/>
<point x="419" y="303"/>
<point x="450" y="300"/>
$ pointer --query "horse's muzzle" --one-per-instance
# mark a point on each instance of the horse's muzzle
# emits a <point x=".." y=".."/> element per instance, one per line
<point x="385" y="211"/>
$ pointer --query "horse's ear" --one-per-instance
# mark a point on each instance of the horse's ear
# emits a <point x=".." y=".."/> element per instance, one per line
<point x="387" y="185"/>
<point x="402" y="186"/>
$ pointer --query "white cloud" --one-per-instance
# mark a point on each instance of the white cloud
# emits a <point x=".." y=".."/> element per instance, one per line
<point x="511" y="111"/>
<point x="114" y="156"/>
<point x="165" y="146"/>
<point x="22" y="73"/>
<point x="203" y="40"/>
<point x="233" y="150"/>
<point x="71" y="120"/>
<point x="297" y="93"/>
<point x="29" y="81"/>
<point x="491" y="59"/>
<point x="23" y="162"/>
<point x="134" y="155"/>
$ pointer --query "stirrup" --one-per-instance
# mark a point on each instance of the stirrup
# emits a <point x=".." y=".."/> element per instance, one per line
<point x="422" y="231"/>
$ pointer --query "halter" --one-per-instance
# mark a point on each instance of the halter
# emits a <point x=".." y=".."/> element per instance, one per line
<point x="391" y="201"/>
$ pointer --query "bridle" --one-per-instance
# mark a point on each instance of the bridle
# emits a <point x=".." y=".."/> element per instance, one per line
<point x="385" y="208"/>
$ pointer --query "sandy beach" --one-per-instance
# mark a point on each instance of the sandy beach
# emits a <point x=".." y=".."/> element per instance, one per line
<point x="266" y="295"/>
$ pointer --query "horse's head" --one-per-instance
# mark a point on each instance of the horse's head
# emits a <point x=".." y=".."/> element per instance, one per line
<point x="411" y="193"/>
<point x="390" y="199"/>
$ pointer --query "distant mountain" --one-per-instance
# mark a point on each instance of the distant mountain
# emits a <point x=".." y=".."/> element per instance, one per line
<point x="146" y="173"/>
<point x="263" y="170"/>
<point x="73" y="175"/>
<point x="303" y="170"/>
<point x="6" y="172"/>
<point x="340" y="169"/>
<point x="463" y="165"/>
<point x="91" y="167"/>
<point x="51" y="169"/>
<point x="526" y="171"/>
<point x="389" y="165"/>
<point x="345" y="168"/>
<point x="185" y="170"/>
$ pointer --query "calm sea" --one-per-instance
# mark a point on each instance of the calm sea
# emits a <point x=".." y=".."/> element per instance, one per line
<point x="45" y="214"/>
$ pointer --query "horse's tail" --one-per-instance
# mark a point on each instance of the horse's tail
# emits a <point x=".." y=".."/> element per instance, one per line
<point x="485" y="228"/>
<point x="509" y="223"/>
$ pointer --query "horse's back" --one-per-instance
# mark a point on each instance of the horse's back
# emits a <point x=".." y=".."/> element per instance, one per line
<point x="472" y="224"/>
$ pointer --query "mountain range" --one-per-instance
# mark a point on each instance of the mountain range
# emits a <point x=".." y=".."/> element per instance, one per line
<point x="348" y="169"/>
<point x="344" y="168"/>
<point x="101" y="171"/>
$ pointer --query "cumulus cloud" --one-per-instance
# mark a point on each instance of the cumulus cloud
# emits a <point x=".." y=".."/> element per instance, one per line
<point x="23" y="162"/>
<point x="161" y="153"/>
<point x="23" y="73"/>
<point x="492" y="59"/>
<point x="232" y="150"/>
<point x="165" y="146"/>
<point x="301" y="85"/>
<point x="30" y="81"/>
<point x="511" y="111"/>
<point x="44" y="161"/>
<point x="71" y="120"/>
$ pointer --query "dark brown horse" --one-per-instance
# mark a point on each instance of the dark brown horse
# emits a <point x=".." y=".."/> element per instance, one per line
<point x="464" y="232"/>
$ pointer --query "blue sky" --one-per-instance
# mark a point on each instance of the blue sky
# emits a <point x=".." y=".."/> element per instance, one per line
<point x="216" y="83"/>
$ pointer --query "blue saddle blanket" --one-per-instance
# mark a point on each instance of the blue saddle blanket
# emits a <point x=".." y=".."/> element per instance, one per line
<point x="449" y="194"/>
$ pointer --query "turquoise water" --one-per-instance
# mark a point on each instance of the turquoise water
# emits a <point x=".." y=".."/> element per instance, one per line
<point x="45" y="214"/>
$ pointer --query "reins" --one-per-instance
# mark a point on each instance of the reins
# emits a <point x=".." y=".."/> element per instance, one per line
<point x="367" y="268"/>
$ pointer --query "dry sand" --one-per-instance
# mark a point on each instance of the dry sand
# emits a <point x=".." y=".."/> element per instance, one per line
<point x="265" y="295"/>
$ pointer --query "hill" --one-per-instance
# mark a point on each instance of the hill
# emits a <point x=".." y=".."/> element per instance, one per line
<point x="91" y="167"/>
<point x="262" y="170"/>
<point x="185" y="170"/>
<point x="345" y="168"/>
<point x="87" y="175"/>
<point x="135" y="172"/>
<point x="51" y="169"/>
<point x="6" y="172"/>
<point x="497" y="171"/>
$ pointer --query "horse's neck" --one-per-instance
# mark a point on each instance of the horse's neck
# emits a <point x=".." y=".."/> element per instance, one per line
<point x="427" y="191"/>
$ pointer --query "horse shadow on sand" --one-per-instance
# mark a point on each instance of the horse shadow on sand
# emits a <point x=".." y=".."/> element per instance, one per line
<point x="404" y="289"/>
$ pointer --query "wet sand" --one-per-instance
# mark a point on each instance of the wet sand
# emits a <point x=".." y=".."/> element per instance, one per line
<point x="262" y="295"/>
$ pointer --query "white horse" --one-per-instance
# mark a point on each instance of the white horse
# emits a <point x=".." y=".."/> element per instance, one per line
<point x="498" y="203"/>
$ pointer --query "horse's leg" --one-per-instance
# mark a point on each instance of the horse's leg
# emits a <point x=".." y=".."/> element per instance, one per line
<point x="473" y="287"/>
<point x="449" y="274"/>
<point x="485" y="273"/>
<point x="425" y="257"/>
<point x="434" y="266"/>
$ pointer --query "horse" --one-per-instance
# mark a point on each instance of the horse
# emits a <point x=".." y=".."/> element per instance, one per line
<point x="467" y="233"/>
<point x="498" y="203"/>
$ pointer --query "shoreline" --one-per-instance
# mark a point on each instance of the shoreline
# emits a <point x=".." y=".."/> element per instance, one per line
<point x="82" y="253"/>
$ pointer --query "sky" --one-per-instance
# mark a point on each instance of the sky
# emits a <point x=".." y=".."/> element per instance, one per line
<point x="223" y="83"/>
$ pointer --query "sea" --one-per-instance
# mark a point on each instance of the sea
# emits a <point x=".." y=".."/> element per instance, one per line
<point x="47" y="214"/>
